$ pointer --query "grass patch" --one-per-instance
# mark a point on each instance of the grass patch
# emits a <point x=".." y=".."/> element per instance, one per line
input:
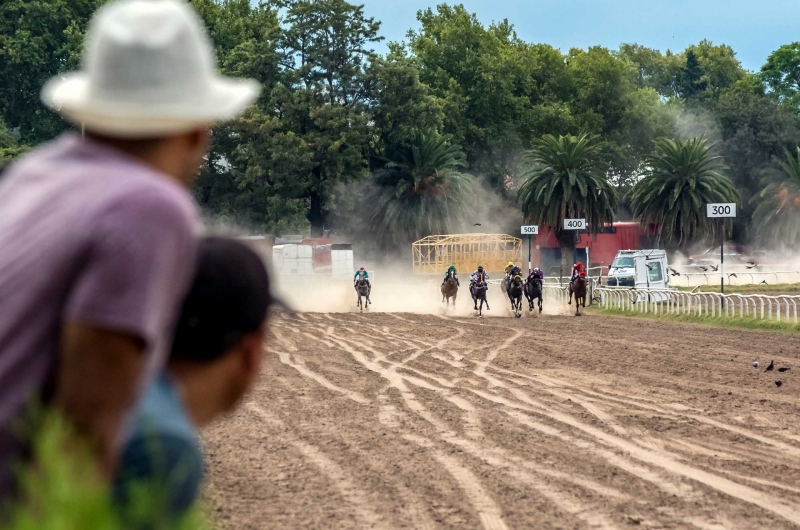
<point x="731" y="322"/>
<point x="782" y="288"/>
<point x="61" y="491"/>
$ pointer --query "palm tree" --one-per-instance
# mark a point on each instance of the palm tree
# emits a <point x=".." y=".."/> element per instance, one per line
<point x="679" y="179"/>
<point x="777" y="214"/>
<point x="567" y="178"/>
<point x="421" y="191"/>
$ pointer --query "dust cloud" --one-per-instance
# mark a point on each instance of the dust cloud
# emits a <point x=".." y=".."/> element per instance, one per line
<point x="397" y="292"/>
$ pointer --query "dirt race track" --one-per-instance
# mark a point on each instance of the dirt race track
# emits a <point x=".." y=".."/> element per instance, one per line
<point x="419" y="421"/>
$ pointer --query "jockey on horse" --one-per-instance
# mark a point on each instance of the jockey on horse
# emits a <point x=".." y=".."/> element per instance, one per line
<point x="474" y="276"/>
<point x="535" y="273"/>
<point x="577" y="269"/>
<point x="511" y="271"/>
<point x="455" y="275"/>
<point x="359" y="275"/>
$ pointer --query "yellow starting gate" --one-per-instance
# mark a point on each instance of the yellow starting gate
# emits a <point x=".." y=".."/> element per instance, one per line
<point x="433" y="254"/>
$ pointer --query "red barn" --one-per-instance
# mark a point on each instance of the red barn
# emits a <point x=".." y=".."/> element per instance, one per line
<point x="597" y="251"/>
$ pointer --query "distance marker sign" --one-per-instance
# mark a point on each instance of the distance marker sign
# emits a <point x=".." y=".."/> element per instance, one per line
<point x="574" y="224"/>
<point x="529" y="230"/>
<point x="723" y="209"/>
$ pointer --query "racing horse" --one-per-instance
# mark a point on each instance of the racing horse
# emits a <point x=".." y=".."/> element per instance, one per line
<point x="450" y="288"/>
<point x="578" y="287"/>
<point x="514" y="291"/>
<point x="533" y="291"/>
<point x="363" y="290"/>
<point x="478" y="292"/>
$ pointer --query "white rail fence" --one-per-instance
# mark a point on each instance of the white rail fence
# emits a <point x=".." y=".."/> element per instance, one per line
<point x="781" y="308"/>
<point x="693" y="279"/>
<point x="740" y="278"/>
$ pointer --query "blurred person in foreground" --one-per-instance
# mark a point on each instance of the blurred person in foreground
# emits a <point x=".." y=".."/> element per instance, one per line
<point x="219" y="343"/>
<point x="98" y="235"/>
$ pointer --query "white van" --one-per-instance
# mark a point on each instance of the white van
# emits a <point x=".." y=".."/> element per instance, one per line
<point x="642" y="269"/>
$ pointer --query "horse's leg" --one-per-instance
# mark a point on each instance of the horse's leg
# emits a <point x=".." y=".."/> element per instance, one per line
<point x="569" y="302"/>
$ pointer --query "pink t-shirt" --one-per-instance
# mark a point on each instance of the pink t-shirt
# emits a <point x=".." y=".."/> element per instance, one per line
<point x="91" y="234"/>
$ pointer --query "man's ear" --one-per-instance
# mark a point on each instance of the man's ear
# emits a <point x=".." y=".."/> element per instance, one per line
<point x="253" y="348"/>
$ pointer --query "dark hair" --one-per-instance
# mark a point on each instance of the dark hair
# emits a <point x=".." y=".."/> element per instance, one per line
<point x="228" y="300"/>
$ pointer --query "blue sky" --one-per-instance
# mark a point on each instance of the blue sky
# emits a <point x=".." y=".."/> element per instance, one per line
<point x="754" y="28"/>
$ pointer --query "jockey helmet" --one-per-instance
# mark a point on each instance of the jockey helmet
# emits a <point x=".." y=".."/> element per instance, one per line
<point x="510" y="264"/>
<point x="536" y="269"/>
<point x="452" y="267"/>
<point x="361" y="269"/>
<point x="480" y="268"/>
<point x="580" y="264"/>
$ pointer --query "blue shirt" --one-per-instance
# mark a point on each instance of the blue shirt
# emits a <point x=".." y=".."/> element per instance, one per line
<point x="161" y="453"/>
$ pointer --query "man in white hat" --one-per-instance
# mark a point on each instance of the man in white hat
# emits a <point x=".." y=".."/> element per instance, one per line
<point x="98" y="235"/>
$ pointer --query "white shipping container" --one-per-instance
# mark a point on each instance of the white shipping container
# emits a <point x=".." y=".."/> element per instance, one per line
<point x="290" y="251"/>
<point x="304" y="251"/>
<point x="342" y="263"/>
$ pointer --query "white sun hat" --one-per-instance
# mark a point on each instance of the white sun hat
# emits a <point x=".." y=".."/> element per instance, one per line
<point x="148" y="70"/>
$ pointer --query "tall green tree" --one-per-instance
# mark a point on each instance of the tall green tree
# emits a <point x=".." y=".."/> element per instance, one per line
<point x="777" y="213"/>
<point x="421" y="190"/>
<point x="691" y="84"/>
<point x="567" y="178"/>
<point x="10" y="148"/>
<point x="278" y="166"/>
<point x="753" y="130"/>
<point x="680" y="178"/>
<point x="400" y="103"/>
<point x="325" y="47"/>
<point x="781" y="74"/>
<point x="38" y="39"/>
<point x="497" y="91"/>
<point x="608" y="103"/>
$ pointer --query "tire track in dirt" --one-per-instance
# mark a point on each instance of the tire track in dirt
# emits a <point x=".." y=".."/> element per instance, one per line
<point x="300" y="366"/>
<point x="574" y="392"/>
<point x="490" y="515"/>
<point x="345" y="484"/>
<point x="452" y="362"/>
<point x="673" y="465"/>
<point x="591" y="516"/>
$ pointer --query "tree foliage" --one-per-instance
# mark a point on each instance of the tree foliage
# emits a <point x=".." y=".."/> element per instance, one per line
<point x="421" y="190"/>
<point x="781" y="74"/>
<point x="567" y="178"/>
<point x="680" y="178"/>
<point x="777" y="215"/>
<point x="331" y="107"/>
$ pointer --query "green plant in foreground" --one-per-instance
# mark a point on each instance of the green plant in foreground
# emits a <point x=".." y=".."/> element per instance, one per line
<point x="62" y="491"/>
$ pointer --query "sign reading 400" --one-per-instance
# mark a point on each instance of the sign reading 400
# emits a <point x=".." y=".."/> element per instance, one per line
<point x="574" y="224"/>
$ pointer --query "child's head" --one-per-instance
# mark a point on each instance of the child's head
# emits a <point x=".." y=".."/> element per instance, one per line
<point x="219" y="339"/>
